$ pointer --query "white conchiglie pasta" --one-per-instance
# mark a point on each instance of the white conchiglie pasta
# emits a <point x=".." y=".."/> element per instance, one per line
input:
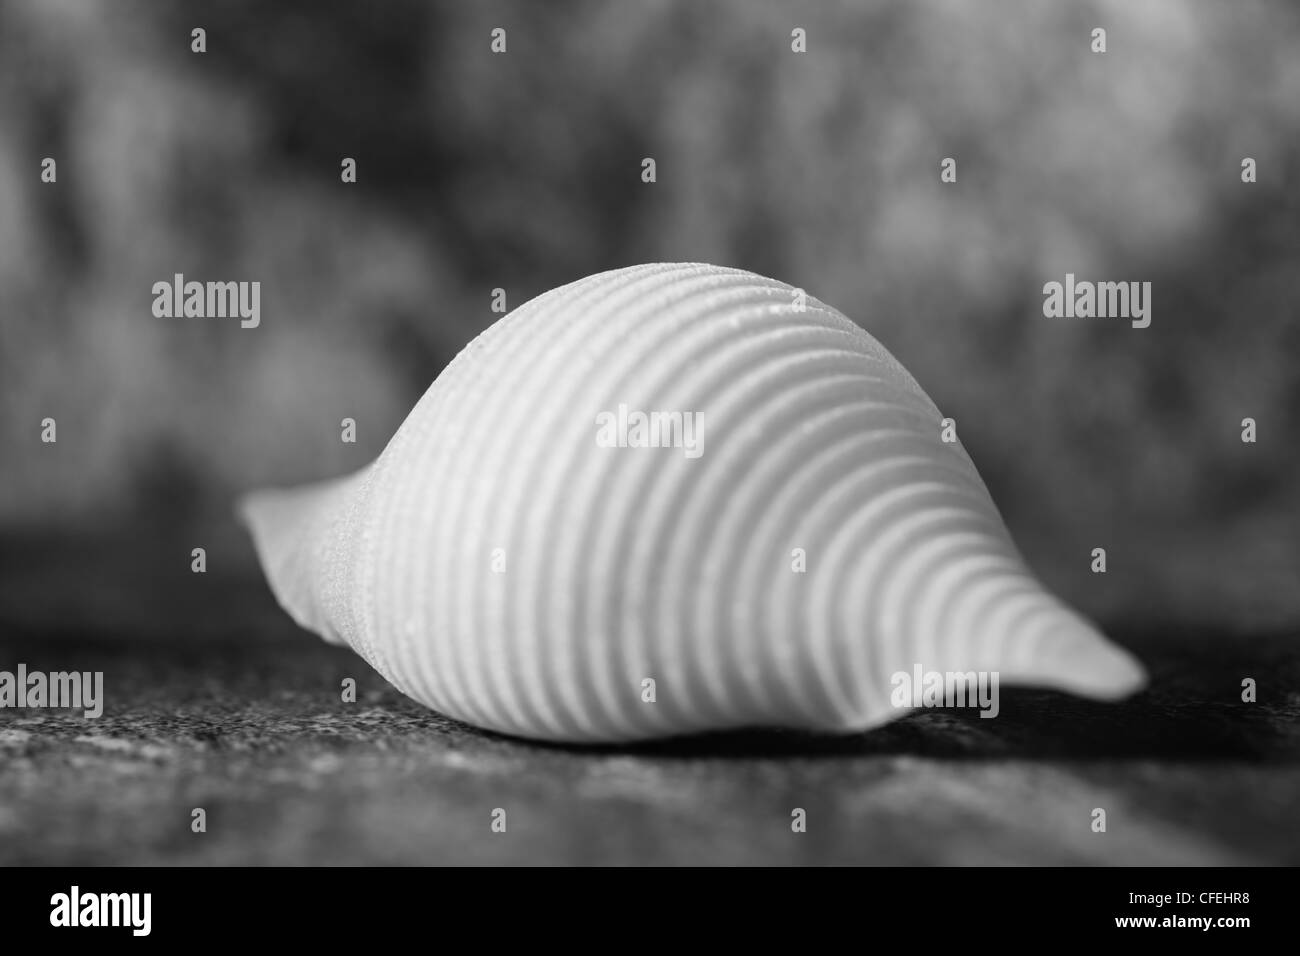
<point x="669" y="499"/>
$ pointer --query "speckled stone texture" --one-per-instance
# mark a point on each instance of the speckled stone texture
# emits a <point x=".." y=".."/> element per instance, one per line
<point x="215" y="699"/>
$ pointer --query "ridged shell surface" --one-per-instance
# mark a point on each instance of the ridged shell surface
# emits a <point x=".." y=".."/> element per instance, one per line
<point x="501" y="565"/>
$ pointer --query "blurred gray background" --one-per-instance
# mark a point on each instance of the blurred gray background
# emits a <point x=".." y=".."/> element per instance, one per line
<point x="522" y="171"/>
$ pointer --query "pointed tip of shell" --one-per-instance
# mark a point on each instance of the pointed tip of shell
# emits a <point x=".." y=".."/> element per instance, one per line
<point x="1073" y="656"/>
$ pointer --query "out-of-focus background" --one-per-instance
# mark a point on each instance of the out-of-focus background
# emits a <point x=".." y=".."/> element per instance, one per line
<point x="522" y="171"/>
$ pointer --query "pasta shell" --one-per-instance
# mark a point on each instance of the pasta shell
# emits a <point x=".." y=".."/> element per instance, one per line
<point x="501" y="564"/>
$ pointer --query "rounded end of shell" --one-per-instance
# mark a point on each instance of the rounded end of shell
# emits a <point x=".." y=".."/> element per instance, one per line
<point x="287" y="526"/>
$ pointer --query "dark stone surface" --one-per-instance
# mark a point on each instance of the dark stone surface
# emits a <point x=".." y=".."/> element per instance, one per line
<point x="216" y="700"/>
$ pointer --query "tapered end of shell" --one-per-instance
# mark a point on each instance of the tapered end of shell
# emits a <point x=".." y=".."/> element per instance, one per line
<point x="1001" y="628"/>
<point x="1057" y="648"/>
<point x="1070" y="654"/>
